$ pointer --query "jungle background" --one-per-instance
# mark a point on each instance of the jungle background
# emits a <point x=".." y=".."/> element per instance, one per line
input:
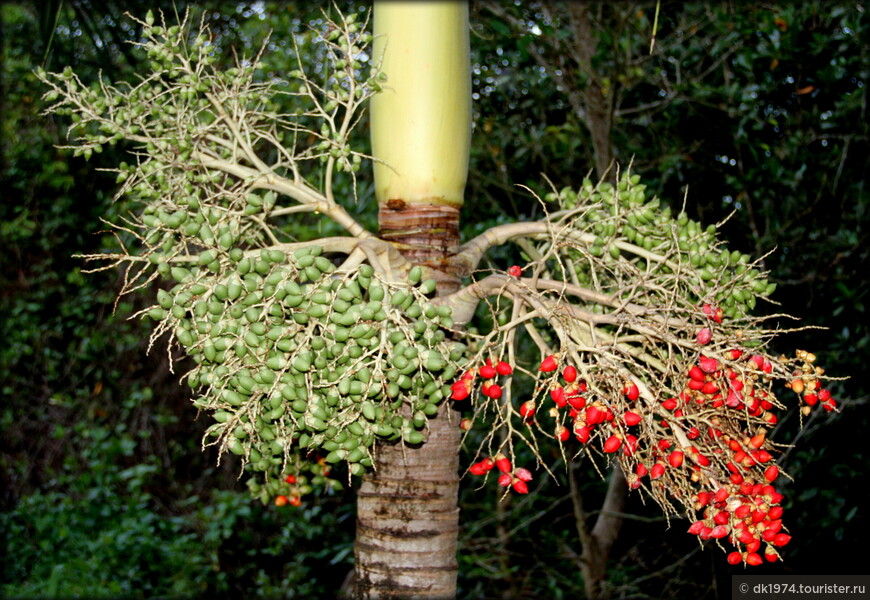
<point x="758" y="108"/>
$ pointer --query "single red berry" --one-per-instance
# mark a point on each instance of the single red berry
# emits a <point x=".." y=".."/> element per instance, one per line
<point x="770" y="555"/>
<point x="527" y="409"/>
<point x="503" y="368"/>
<point x="582" y="434"/>
<point x="562" y="433"/>
<point x="657" y="470"/>
<point x="523" y="474"/>
<point x="771" y="473"/>
<point x="465" y="424"/>
<point x="753" y="559"/>
<point x="612" y="444"/>
<point x="290" y="479"/>
<point x="505" y="479"/>
<point x="477" y="468"/>
<point x="708" y="364"/>
<point x="281" y="500"/>
<point x="631" y="391"/>
<point x="696" y="527"/>
<point x="781" y="539"/>
<point x="520" y="487"/>
<point x="631" y="418"/>
<point x="569" y="374"/>
<point x="549" y="364"/>
<point x="503" y="463"/>
<point x="704" y="336"/>
<point x="735" y="558"/>
<point x="493" y="391"/>
<point x="675" y="458"/>
<point x="515" y="271"/>
<point x="295" y="501"/>
<point x="720" y="531"/>
<point x="487" y="371"/>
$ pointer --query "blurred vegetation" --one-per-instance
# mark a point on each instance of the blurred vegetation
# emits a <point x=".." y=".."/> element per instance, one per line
<point x="759" y="109"/>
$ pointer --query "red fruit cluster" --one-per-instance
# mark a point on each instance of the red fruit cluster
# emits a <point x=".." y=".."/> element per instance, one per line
<point x="747" y="514"/>
<point x="517" y="478"/>
<point x="703" y="444"/>
<point x="461" y="389"/>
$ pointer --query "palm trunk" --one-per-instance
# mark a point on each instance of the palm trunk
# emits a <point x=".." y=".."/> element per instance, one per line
<point x="407" y="513"/>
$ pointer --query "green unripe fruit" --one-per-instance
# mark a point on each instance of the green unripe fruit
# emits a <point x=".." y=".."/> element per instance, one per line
<point x="415" y="274"/>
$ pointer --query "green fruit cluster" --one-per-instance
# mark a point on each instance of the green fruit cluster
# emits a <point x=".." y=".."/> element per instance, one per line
<point x="622" y="225"/>
<point x="295" y="359"/>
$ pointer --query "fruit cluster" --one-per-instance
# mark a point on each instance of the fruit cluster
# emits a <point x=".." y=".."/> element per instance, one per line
<point x="295" y="358"/>
<point x="623" y="225"/>
<point x="705" y="446"/>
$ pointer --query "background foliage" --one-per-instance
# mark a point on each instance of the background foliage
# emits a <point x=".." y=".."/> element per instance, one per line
<point x="759" y="109"/>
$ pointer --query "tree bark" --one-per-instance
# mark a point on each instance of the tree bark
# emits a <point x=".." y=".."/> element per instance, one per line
<point x="407" y="511"/>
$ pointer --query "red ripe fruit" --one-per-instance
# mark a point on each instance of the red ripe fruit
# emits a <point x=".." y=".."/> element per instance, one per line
<point x="696" y="527"/>
<point x="774" y="513"/>
<point x="693" y="433"/>
<point x="295" y="501"/>
<point x="594" y="415"/>
<point x="281" y="500"/>
<point x="515" y="271"/>
<point x="493" y="391"/>
<point x="527" y="409"/>
<point x="631" y="418"/>
<point x="770" y="555"/>
<point x="735" y="558"/>
<point x="657" y="470"/>
<point x="582" y="434"/>
<point x="612" y="444"/>
<point x="756" y="440"/>
<point x="558" y="396"/>
<point x="741" y="511"/>
<point x="503" y="368"/>
<point x="696" y="373"/>
<point x="781" y="539"/>
<point x="721" y="495"/>
<point x="704" y="336"/>
<point x="520" y="487"/>
<point x="505" y="479"/>
<point x="577" y="402"/>
<point x="631" y="392"/>
<point x="569" y="374"/>
<point x="720" y="531"/>
<point x="487" y="371"/>
<point x="670" y="403"/>
<point x="465" y="424"/>
<point x="503" y="463"/>
<point x="477" y="468"/>
<point x="523" y="474"/>
<point x="460" y="390"/>
<point x="675" y="458"/>
<point x="710" y="388"/>
<point x="290" y="479"/>
<point x="703" y="498"/>
<point x="549" y="364"/>
<point x="708" y="364"/>
<point x="641" y="470"/>
<point x="753" y="559"/>
<point x="562" y="433"/>
<point x="771" y="473"/>
<point x="762" y="456"/>
<point x="722" y="517"/>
